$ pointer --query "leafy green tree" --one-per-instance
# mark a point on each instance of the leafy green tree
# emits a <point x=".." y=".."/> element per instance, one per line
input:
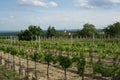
<point x="65" y="62"/>
<point x="48" y="57"/>
<point x="103" y="68"/>
<point x="36" y="31"/>
<point x="21" y="53"/>
<point x="116" y="61"/>
<point x="30" y="33"/>
<point x="2" y="48"/>
<point x="80" y="62"/>
<point x="7" y="50"/>
<point x="25" y="35"/>
<point x="88" y="30"/>
<point x="77" y="33"/>
<point x="113" y="30"/>
<point x="36" y="57"/>
<point x="27" y="56"/>
<point x="13" y="52"/>
<point x="55" y="60"/>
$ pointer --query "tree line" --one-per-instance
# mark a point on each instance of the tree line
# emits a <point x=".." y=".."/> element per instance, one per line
<point x="88" y="31"/>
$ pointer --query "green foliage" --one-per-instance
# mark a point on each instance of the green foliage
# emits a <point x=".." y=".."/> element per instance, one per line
<point x="48" y="57"/>
<point x="6" y="74"/>
<point x="36" y="31"/>
<point x="36" y="56"/>
<point x="55" y="59"/>
<point x="88" y="30"/>
<point x="51" y="32"/>
<point x="103" y="68"/>
<point x="77" y="33"/>
<point x="25" y="35"/>
<point x="80" y="62"/>
<point x="30" y="33"/>
<point x="13" y="51"/>
<point x="113" y="30"/>
<point x="64" y="61"/>
<point x="22" y="52"/>
<point x="97" y="67"/>
<point x="7" y="49"/>
<point x="104" y="50"/>
<point x="3" y="48"/>
<point x="107" y="71"/>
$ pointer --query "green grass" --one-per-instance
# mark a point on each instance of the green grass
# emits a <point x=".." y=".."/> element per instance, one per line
<point x="7" y="74"/>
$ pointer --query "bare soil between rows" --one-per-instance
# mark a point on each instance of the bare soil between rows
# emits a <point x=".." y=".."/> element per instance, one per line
<point x="55" y="73"/>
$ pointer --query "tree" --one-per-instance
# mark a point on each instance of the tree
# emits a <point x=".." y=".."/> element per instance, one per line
<point x="36" y="31"/>
<point x="51" y="32"/>
<point x="88" y="30"/>
<point x="35" y="57"/>
<point x="77" y="33"/>
<point x="13" y="52"/>
<point x="27" y="55"/>
<point x="7" y="50"/>
<point x="65" y="62"/>
<point x="25" y="35"/>
<point x="113" y="30"/>
<point x="4" y="49"/>
<point x="48" y="57"/>
<point x="80" y="62"/>
<point x="30" y="33"/>
<point x="21" y="53"/>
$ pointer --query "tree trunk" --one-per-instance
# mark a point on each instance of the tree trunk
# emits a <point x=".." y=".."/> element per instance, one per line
<point x="65" y="74"/>
<point x="91" y="60"/>
<point x="27" y="65"/>
<point x="19" y="65"/>
<point x="14" y="62"/>
<point x="83" y="74"/>
<point x="19" y="59"/>
<point x="11" y="61"/>
<point x="35" y="70"/>
<point x="115" y="59"/>
<point x="8" y="60"/>
<point x="48" y="71"/>
<point x="1" y="57"/>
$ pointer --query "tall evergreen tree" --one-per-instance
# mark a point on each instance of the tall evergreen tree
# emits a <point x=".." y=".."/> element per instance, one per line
<point x="51" y="32"/>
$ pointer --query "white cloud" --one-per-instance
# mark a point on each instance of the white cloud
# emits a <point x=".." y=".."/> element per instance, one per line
<point x="12" y="17"/>
<point x="97" y="3"/>
<point x="52" y="4"/>
<point x="40" y="3"/>
<point x="115" y="1"/>
<point x="84" y="4"/>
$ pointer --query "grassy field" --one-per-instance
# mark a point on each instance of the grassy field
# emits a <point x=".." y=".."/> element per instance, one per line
<point x="7" y="74"/>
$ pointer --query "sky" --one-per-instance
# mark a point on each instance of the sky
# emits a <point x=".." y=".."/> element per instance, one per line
<point x="16" y="15"/>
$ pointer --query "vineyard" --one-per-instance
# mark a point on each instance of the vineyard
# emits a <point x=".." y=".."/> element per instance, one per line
<point x="62" y="58"/>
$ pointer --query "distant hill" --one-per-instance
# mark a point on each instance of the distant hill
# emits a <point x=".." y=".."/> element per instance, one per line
<point x="14" y="33"/>
<point x="8" y="33"/>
